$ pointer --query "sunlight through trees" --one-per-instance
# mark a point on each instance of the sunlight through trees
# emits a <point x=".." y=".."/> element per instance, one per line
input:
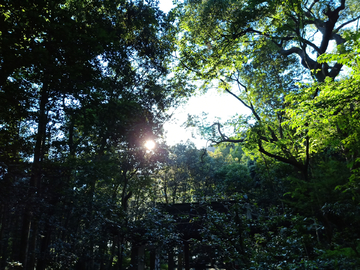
<point x="87" y="180"/>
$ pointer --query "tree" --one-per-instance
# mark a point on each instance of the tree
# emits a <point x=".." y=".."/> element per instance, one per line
<point x="271" y="56"/>
<point x="187" y="175"/>
<point x="333" y="112"/>
<point x="82" y="84"/>
<point x="263" y="49"/>
<point x="231" y="173"/>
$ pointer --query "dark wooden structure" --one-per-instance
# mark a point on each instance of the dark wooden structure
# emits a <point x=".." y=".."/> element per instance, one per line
<point x="189" y="218"/>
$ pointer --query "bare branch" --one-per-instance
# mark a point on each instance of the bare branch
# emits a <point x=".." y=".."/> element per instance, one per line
<point x="228" y="140"/>
<point x="251" y="107"/>
<point x="307" y="42"/>
<point x="225" y="138"/>
<point x="306" y="61"/>
<point x="346" y="23"/>
<point x="292" y="50"/>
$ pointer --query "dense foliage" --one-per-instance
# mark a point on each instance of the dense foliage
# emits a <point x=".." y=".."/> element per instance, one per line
<point x="84" y="84"/>
<point x="294" y="66"/>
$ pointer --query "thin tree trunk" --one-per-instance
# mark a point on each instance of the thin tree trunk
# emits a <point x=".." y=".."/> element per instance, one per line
<point x="32" y="245"/>
<point x="25" y="231"/>
<point x="4" y="236"/>
<point x="42" y="260"/>
<point x="35" y="176"/>
<point x="16" y="237"/>
<point x="120" y="252"/>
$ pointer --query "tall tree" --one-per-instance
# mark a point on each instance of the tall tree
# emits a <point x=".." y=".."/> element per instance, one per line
<point x="79" y="81"/>
<point x="264" y="48"/>
<point x="270" y="55"/>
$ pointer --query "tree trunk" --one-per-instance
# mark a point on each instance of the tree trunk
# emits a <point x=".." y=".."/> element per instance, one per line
<point x="32" y="245"/>
<point x="42" y="260"/>
<point x="25" y="231"/>
<point x="186" y="255"/>
<point x="4" y="236"/>
<point x="35" y="176"/>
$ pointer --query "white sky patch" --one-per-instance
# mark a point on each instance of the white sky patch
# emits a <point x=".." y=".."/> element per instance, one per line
<point x="216" y="105"/>
<point x="166" y="5"/>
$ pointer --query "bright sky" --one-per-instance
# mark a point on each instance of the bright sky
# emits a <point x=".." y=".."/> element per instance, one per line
<point x="215" y="104"/>
<point x="166" y="5"/>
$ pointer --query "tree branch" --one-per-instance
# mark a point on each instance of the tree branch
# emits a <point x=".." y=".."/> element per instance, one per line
<point x="329" y="26"/>
<point x="306" y="61"/>
<point x="250" y="107"/>
<point x="310" y="8"/>
<point x="316" y="48"/>
<point x="335" y="70"/>
<point x="292" y="162"/>
<point x="239" y="99"/>
<point x="225" y="138"/>
<point x="346" y="23"/>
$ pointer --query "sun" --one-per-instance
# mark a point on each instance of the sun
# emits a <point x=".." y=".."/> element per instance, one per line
<point x="150" y="144"/>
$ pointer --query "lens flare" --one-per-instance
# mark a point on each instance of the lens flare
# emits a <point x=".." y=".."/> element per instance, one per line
<point x="150" y="144"/>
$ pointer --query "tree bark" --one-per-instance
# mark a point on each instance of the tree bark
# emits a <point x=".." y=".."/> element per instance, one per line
<point x="35" y="178"/>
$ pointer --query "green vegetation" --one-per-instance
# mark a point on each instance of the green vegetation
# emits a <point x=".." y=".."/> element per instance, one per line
<point x="84" y="84"/>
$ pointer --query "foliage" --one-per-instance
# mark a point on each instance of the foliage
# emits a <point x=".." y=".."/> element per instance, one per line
<point x="186" y="176"/>
<point x="285" y="62"/>
<point x="331" y="118"/>
<point x="259" y="54"/>
<point x="83" y="85"/>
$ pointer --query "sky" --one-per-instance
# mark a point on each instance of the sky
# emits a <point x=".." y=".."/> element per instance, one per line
<point x="215" y="104"/>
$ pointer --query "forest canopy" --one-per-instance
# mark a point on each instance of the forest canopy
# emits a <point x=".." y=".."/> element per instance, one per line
<point x="86" y="85"/>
